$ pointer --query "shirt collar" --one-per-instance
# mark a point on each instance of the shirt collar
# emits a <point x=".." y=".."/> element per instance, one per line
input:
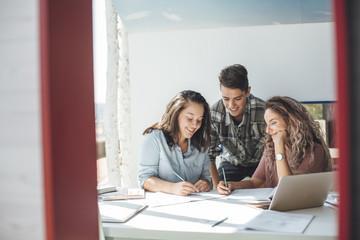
<point x="189" y="149"/>
<point x="228" y="119"/>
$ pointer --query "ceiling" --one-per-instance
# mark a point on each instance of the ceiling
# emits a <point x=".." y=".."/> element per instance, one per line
<point x="168" y="15"/>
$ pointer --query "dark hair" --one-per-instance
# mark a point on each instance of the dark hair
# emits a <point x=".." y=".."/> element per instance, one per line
<point x="234" y="76"/>
<point x="302" y="131"/>
<point x="169" y="121"/>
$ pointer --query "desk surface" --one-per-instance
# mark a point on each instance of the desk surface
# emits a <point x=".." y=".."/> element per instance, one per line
<point x="173" y="217"/>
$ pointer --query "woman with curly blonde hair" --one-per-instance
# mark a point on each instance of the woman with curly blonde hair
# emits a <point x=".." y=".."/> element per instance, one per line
<point x="293" y="145"/>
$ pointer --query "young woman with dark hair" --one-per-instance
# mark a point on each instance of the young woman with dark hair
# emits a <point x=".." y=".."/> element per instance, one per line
<point x="174" y="157"/>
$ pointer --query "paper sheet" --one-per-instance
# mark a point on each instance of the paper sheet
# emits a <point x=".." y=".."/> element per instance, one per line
<point x="119" y="211"/>
<point x="275" y="221"/>
<point x="250" y="196"/>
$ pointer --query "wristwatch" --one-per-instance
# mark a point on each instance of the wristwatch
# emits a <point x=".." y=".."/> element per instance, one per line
<point x="279" y="157"/>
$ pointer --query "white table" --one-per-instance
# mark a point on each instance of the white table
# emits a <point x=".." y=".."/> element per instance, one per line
<point x="180" y="218"/>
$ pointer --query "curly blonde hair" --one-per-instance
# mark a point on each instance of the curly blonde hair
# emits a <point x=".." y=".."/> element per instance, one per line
<point x="302" y="131"/>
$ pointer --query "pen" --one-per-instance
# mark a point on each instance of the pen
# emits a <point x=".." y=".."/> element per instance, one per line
<point x="179" y="176"/>
<point x="225" y="182"/>
<point x="197" y="190"/>
<point x="218" y="222"/>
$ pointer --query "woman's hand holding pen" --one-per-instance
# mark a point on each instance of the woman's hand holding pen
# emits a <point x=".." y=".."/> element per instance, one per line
<point x="202" y="185"/>
<point x="222" y="189"/>
<point x="184" y="188"/>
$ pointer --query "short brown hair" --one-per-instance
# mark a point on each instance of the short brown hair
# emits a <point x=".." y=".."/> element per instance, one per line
<point x="234" y="76"/>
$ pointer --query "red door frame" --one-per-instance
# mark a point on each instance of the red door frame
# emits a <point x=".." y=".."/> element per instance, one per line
<point x="342" y="117"/>
<point x="68" y="119"/>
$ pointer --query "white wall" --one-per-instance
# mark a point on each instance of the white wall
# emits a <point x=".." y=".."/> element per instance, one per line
<point x="295" y="60"/>
<point x="21" y="197"/>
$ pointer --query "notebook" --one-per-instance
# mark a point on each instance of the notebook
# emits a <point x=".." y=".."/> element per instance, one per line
<point x="301" y="191"/>
<point x="119" y="212"/>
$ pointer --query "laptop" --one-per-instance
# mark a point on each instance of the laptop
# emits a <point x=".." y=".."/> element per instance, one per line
<point x="301" y="191"/>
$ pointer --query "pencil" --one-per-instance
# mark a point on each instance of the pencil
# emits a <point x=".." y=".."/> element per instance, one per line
<point x="225" y="182"/>
<point x="218" y="222"/>
<point x="179" y="176"/>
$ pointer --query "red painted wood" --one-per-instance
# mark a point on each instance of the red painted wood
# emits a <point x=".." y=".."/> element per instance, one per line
<point x="68" y="116"/>
<point x="46" y="138"/>
<point x="342" y="118"/>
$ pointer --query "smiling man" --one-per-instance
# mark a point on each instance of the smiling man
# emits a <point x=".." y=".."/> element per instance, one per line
<point x="237" y="127"/>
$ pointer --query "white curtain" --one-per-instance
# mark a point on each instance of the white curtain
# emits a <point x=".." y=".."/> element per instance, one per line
<point x="117" y="109"/>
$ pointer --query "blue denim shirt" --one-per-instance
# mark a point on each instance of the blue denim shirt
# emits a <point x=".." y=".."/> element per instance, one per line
<point x="158" y="159"/>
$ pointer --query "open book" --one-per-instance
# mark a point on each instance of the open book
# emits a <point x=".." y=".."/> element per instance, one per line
<point x="119" y="212"/>
<point x="123" y="194"/>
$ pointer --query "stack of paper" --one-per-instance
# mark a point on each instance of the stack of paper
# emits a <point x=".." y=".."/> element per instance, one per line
<point x="254" y="197"/>
<point x="124" y="194"/>
<point x="106" y="189"/>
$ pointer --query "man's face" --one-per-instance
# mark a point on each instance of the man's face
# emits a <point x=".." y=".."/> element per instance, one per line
<point x="234" y="100"/>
